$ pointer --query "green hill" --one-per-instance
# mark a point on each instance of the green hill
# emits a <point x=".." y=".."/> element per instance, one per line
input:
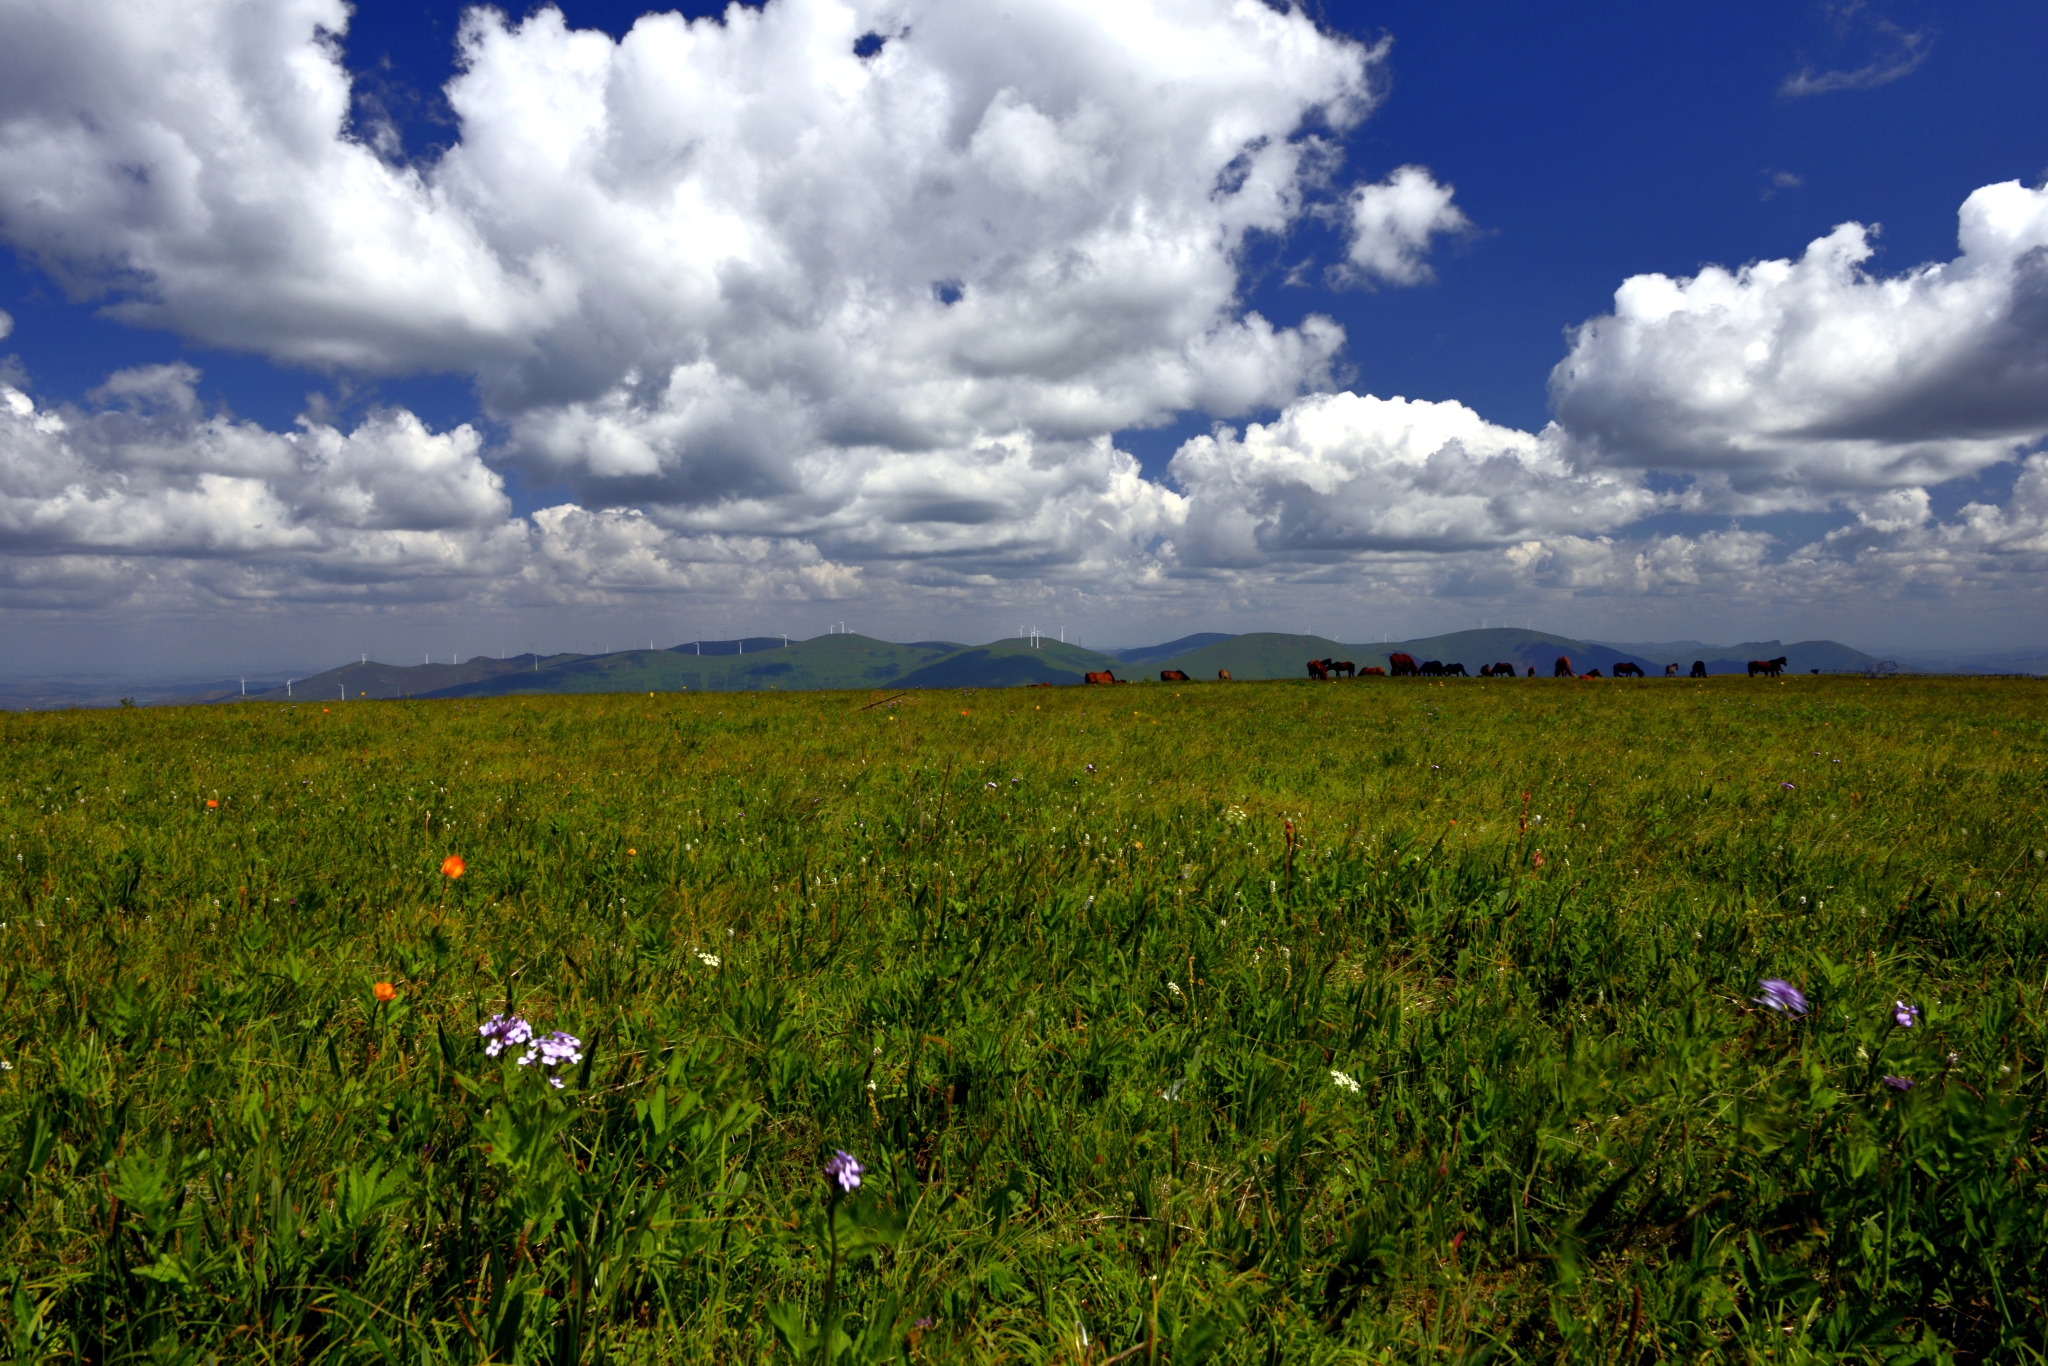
<point x="1010" y="664"/>
<point x="764" y="663"/>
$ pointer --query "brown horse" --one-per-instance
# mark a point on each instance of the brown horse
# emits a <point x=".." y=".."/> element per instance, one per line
<point x="1627" y="670"/>
<point x="1563" y="667"/>
<point x="1172" y="676"/>
<point x="1104" y="677"/>
<point x="1341" y="666"/>
<point x="1402" y="666"/>
<point x="1319" y="669"/>
<point x="1372" y="671"/>
<point x="1223" y="675"/>
<point x="1770" y="668"/>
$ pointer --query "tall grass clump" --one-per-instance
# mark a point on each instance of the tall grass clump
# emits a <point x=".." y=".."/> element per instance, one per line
<point x="1254" y="1023"/>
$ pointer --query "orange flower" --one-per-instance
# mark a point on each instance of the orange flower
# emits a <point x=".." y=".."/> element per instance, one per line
<point x="452" y="866"/>
<point x="385" y="992"/>
<point x="211" y="803"/>
<point x="632" y="853"/>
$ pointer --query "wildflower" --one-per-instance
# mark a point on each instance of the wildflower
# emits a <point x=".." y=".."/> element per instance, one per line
<point x="844" y="1170"/>
<point x="1091" y="768"/>
<point x="634" y="853"/>
<point x="709" y="960"/>
<point x="991" y="787"/>
<point x="1781" y="996"/>
<point x="452" y="866"/>
<point x="504" y="1031"/>
<point x="1899" y="1083"/>
<point x="1344" y="1081"/>
<point x="1173" y="987"/>
<point x="923" y="1323"/>
<point x="211" y="803"/>
<point x="1786" y="786"/>
<point x="385" y="992"/>
<point x="1907" y="1016"/>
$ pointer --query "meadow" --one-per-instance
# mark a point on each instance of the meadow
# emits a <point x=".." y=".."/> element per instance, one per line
<point x="1371" y="1021"/>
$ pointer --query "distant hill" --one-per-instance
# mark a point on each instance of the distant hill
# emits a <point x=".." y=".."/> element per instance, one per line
<point x="762" y="663"/>
<point x="1145" y="654"/>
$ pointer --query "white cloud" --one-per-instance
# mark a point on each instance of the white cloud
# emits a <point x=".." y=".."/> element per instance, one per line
<point x="1392" y="223"/>
<point x="738" y="228"/>
<point x="1337" y="474"/>
<point x="1792" y="384"/>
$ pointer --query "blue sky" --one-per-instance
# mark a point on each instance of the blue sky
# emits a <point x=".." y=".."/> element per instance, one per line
<point x="1578" y="146"/>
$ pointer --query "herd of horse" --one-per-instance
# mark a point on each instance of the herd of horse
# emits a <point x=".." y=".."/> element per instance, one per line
<point x="1405" y="666"/>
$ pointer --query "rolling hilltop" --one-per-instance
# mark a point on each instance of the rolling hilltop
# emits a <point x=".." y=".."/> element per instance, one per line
<point x="755" y="664"/>
<point x="767" y="663"/>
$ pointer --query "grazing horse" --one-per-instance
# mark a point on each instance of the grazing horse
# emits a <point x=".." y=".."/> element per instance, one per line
<point x="1223" y="675"/>
<point x="1563" y="667"/>
<point x="1770" y="668"/>
<point x="1172" y="676"/>
<point x="1699" y="669"/>
<point x="1372" y="670"/>
<point x="1431" y="668"/>
<point x="1627" y="670"/>
<point x="1341" y="666"/>
<point x="1400" y="665"/>
<point x="1319" y="668"/>
<point x="1486" y="670"/>
<point x="1671" y="671"/>
<point x="1104" y="677"/>
<point x="1532" y="671"/>
<point x="1503" y="671"/>
<point x="1455" y="671"/>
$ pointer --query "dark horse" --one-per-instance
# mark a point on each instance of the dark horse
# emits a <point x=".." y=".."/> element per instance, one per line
<point x="1627" y="670"/>
<point x="1699" y="669"/>
<point x="1563" y="668"/>
<point x="1341" y="666"/>
<point x="1455" y="671"/>
<point x="1770" y="668"/>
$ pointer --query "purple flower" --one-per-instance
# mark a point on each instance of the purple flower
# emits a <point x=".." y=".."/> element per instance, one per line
<point x="924" y="1322"/>
<point x="1091" y="768"/>
<point x="1786" y="786"/>
<point x="504" y="1031"/>
<point x="844" y="1170"/>
<point x="1781" y="996"/>
<point x="554" y="1049"/>
<point x="1899" y="1083"/>
<point x="1906" y="1015"/>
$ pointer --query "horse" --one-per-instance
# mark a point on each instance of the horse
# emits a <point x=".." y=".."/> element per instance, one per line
<point x="1431" y="668"/>
<point x="1172" y="676"/>
<point x="1373" y="671"/>
<point x="1455" y="671"/>
<point x="1223" y="675"/>
<point x="1594" y="674"/>
<point x="1699" y="669"/>
<point x="1103" y="677"/>
<point x="1319" y="669"/>
<point x="1671" y="671"/>
<point x="1627" y="670"/>
<point x="1341" y="666"/>
<point x="1563" y="668"/>
<point x="1400" y="665"/>
<point x="1770" y="668"/>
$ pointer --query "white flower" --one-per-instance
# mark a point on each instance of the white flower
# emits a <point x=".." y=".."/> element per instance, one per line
<point x="709" y="960"/>
<point x="1344" y="1081"/>
<point x="1173" y="987"/>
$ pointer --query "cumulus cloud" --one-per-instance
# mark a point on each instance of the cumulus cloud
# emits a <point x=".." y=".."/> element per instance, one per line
<point x="1796" y="383"/>
<point x="1341" y="473"/>
<point x="703" y="250"/>
<point x="1391" y="225"/>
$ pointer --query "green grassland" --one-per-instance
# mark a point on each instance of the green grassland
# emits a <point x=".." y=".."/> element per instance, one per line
<point x="1279" y="1022"/>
